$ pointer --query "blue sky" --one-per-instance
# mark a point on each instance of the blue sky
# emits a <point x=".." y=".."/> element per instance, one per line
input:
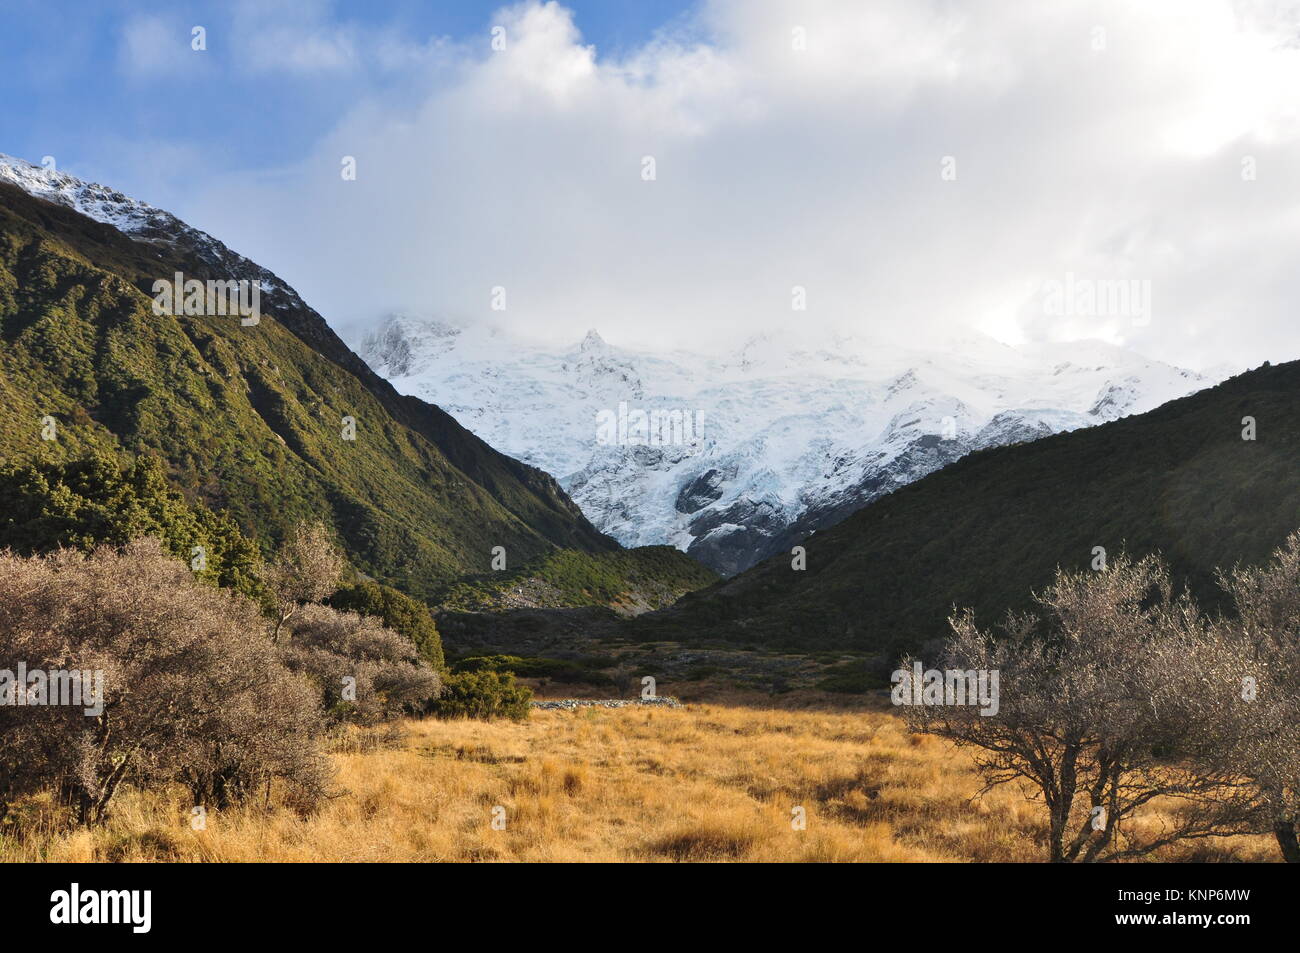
<point x="917" y="166"/>
<point x="74" y="86"/>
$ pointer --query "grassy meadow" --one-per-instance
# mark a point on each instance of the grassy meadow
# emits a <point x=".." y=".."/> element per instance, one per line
<point x="712" y="781"/>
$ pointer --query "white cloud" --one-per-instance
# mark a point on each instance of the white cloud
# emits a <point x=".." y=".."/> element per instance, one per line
<point x="292" y="37"/>
<point x="817" y="167"/>
<point x="300" y="37"/>
<point x="155" y="45"/>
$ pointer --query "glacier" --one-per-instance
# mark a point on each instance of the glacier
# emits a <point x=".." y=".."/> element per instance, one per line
<point x="800" y="428"/>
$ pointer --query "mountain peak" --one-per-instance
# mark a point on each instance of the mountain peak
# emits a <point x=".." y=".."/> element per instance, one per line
<point x="99" y="202"/>
<point x="593" y="342"/>
<point x="1169" y="480"/>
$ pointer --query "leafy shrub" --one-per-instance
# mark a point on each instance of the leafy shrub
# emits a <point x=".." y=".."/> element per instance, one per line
<point x="365" y="672"/>
<point x="858" y="676"/>
<point x="482" y="695"/>
<point x="399" y="612"/>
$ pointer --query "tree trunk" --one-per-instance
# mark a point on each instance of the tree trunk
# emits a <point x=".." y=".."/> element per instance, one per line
<point x="1285" y="833"/>
<point x="1058" y="818"/>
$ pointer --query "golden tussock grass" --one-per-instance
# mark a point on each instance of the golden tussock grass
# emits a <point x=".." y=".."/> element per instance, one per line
<point x="709" y="782"/>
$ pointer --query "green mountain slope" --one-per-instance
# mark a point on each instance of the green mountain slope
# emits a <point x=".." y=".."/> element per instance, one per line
<point x="629" y="581"/>
<point x="249" y="419"/>
<point x="989" y="528"/>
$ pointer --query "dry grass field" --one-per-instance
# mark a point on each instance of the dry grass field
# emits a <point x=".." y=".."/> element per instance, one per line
<point x="709" y="782"/>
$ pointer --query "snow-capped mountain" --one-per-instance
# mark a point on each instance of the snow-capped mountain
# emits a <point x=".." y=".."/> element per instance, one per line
<point x="731" y="456"/>
<point x="736" y="456"/>
<point x="147" y="223"/>
<point x="138" y="219"/>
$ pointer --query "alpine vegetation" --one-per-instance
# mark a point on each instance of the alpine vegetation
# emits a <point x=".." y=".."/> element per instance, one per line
<point x="192" y="297"/>
<point x="193" y="686"/>
<point x="193" y="691"/>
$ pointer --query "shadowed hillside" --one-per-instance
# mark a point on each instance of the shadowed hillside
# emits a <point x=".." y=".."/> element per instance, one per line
<point x="987" y="529"/>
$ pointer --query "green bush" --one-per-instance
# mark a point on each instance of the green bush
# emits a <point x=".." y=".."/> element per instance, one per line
<point x="93" y="501"/>
<point x="482" y="695"/>
<point x="585" y="670"/>
<point x="400" y="613"/>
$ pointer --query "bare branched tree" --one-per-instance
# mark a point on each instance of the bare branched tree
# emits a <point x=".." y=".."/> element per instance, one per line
<point x="1078" y="718"/>
<point x="306" y="569"/>
<point x="1251" y="719"/>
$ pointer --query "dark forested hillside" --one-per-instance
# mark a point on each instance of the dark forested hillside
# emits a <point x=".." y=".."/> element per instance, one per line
<point x="988" y="529"/>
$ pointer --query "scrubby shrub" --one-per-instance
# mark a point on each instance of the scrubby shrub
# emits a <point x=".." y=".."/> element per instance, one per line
<point x="365" y="673"/>
<point x="191" y="688"/>
<point x="242" y="741"/>
<point x="1251" y="725"/>
<point x="656" y="575"/>
<point x="306" y="568"/>
<point x="398" y="611"/>
<point x="482" y="694"/>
